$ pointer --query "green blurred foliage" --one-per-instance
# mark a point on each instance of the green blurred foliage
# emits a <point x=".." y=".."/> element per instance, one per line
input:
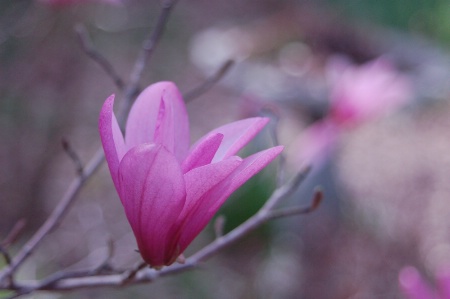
<point x="431" y="18"/>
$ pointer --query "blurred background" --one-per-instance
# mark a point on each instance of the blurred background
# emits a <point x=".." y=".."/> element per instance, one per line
<point x="385" y="178"/>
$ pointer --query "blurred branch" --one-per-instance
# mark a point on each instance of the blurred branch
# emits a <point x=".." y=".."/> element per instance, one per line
<point x="101" y="60"/>
<point x="10" y="239"/>
<point x="53" y="220"/>
<point x="5" y="254"/>
<point x="147" y="50"/>
<point x="273" y="129"/>
<point x="6" y="275"/>
<point x="205" y="86"/>
<point x="285" y="191"/>
<point x="73" y="155"/>
<point x="14" y="233"/>
<point x="315" y="203"/>
<point x="128" y="275"/>
<point x="138" y="275"/>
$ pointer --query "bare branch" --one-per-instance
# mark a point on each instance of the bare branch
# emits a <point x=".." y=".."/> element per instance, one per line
<point x="147" y="50"/>
<point x="10" y="239"/>
<point x="210" y="82"/>
<point x="5" y="254"/>
<point x="285" y="191"/>
<point x="90" y="50"/>
<point x="57" y="214"/>
<point x="128" y="276"/>
<point x="317" y="199"/>
<point x="138" y="274"/>
<point x="14" y="233"/>
<point x="68" y="280"/>
<point x="73" y="156"/>
<point x="75" y="187"/>
<point x="105" y="265"/>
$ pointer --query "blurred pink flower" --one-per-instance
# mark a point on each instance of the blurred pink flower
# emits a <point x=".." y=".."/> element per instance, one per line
<point x="358" y="94"/>
<point x="414" y="286"/>
<point x="170" y="191"/>
<point x="362" y="93"/>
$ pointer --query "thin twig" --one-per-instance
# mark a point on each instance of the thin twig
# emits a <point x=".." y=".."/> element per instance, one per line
<point x="130" y="274"/>
<point x="285" y="191"/>
<point x="317" y="199"/>
<point x="208" y="83"/>
<point x="104" y="63"/>
<point x="106" y="263"/>
<point x="73" y="156"/>
<point x="57" y="214"/>
<point x="75" y="187"/>
<point x="49" y="281"/>
<point x="137" y="275"/>
<point x="14" y="233"/>
<point x="5" y="254"/>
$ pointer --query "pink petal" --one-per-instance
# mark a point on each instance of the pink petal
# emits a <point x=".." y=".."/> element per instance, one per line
<point x="214" y="198"/>
<point x="202" y="153"/>
<point x="236" y="135"/>
<point x="153" y="193"/>
<point x="249" y="167"/>
<point x="111" y="136"/>
<point x="141" y="121"/>
<point x="443" y="280"/>
<point x="159" y="116"/>
<point x="199" y="182"/>
<point x="413" y="285"/>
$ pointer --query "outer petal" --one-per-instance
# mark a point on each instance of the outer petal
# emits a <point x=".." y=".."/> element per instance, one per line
<point x="153" y="192"/>
<point x="111" y="136"/>
<point x="159" y="116"/>
<point x="236" y="135"/>
<point x="443" y="282"/>
<point x="202" y="179"/>
<point x="413" y="285"/>
<point x="212" y="200"/>
<point x="203" y="152"/>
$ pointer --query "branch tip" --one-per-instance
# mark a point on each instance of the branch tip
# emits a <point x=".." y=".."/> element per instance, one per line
<point x="5" y="254"/>
<point x="89" y="49"/>
<point x="300" y="176"/>
<point x="14" y="233"/>
<point x="209" y="82"/>
<point x="317" y="199"/>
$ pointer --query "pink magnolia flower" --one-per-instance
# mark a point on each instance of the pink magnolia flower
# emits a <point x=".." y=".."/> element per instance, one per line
<point x="169" y="190"/>
<point x="414" y="286"/>
<point x="362" y="93"/>
<point x="358" y="94"/>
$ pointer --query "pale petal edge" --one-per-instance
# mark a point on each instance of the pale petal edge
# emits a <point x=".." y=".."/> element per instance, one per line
<point x="236" y="135"/>
<point x="153" y="192"/>
<point x="111" y="137"/>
